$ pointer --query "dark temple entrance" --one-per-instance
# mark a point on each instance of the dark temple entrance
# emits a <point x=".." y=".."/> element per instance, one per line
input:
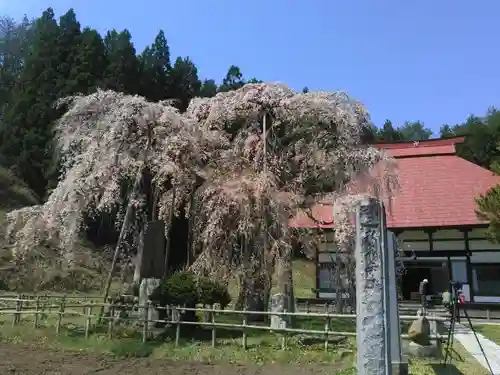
<point x="434" y="271"/>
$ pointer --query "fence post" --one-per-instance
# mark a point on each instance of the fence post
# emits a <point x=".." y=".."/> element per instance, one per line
<point x="213" y="326"/>
<point x="327" y="328"/>
<point x="145" y="323"/>
<point x="16" y="312"/>
<point x="177" y="313"/>
<point x="111" y="321"/>
<point x="283" y="337"/>
<point x="88" y="321"/>
<point x="244" y="339"/>
<point x="60" y="315"/>
<point x="37" y="308"/>
<point x="21" y="305"/>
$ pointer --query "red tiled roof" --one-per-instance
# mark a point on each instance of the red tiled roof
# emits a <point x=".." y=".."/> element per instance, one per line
<point x="437" y="187"/>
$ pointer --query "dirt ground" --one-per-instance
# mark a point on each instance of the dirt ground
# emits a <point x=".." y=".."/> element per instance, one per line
<point x="25" y="360"/>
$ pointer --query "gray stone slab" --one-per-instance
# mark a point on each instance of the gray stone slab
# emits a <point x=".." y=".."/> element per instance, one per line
<point x="147" y="287"/>
<point x="467" y="339"/>
<point x="277" y="304"/>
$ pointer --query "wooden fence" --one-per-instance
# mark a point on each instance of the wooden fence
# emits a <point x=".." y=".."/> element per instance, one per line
<point x="307" y="305"/>
<point x="42" y="306"/>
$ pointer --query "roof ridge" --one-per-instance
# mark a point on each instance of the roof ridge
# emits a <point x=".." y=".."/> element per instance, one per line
<point x="435" y="142"/>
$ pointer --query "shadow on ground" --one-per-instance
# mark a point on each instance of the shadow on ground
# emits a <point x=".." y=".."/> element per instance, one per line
<point x="449" y="369"/>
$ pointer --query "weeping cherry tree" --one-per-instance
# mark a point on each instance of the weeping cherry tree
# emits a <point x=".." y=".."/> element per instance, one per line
<point x="238" y="166"/>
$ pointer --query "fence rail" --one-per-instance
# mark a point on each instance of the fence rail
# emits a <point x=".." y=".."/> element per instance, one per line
<point x="38" y="307"/>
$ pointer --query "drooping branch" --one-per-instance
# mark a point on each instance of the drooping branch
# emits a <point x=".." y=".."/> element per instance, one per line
<point x="313" y="152"/>
<point x="100" y="140"/>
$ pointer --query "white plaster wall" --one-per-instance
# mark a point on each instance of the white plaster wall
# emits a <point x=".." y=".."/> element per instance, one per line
<point x="485" y="257"/>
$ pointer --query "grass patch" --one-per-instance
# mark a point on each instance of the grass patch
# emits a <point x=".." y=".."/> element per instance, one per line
<point x="195" y="345"/>
<point x="263" y="348"/>
<point x="490" y="331"/>
<point x="462" y="364"/>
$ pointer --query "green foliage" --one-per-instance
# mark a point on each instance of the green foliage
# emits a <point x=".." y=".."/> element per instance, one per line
<point x="409" y="131"/>
<point x="178" y="289"/>
<point x="47" y="59"/>
<point x="488" y="208"/>
<point x="26" y="134"/>
<point x="211" y="292"/>
<point x="183" y="289"/>
<point x="482" y="138"/>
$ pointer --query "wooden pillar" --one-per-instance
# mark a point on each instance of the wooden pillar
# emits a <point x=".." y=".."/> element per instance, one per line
<point x="429" y="234"/>
<point x="468" y="263"/>
<point x="317" y="271"/>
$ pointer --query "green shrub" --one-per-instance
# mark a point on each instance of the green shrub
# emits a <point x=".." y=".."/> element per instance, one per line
<point x="211" y="292"/>
<point x="178" y="289"/>
<point x="182" y="288"/>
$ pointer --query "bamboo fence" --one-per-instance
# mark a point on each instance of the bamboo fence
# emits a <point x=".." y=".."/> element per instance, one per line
<point x="43" y="306"/>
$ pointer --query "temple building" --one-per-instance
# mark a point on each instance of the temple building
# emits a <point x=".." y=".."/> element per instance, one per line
<point x="434" y="217"/>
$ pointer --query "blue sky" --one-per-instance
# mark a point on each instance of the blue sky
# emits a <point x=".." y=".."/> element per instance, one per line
<point x="428" y="60"/>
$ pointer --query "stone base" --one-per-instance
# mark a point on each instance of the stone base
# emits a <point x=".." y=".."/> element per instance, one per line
<point x="400" y="368"/>
<point x="277" y="304"/>
<point x="412" y="349"/>
<point x="147" y="287"/>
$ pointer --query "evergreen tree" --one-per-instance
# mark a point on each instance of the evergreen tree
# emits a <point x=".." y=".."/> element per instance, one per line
<point x="44" y="60"/>
<point x="208" y="88"/>
<point x="233" y="79"/>
<point x="90" y="63"/>
<point x="388" y="133"/>
<point x="446" y="131"/>
<point x="122" y="72"/>
<point x="14" y="42"/>
<point x="28" y="117"/>
<point x="68" y="47"/>
<point x="184" y="81"/>
<point x="482" y="137"/>
<point x="155" y="69"/>
<point x="414" y="131"/>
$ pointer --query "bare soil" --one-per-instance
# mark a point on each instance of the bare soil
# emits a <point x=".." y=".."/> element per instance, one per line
<point x="26" y="360"/>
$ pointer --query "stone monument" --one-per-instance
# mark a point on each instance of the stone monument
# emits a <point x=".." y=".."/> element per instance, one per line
<point x="377" y="323"/>
<point x="152" y="266"/>
<point x="277" y="304"/>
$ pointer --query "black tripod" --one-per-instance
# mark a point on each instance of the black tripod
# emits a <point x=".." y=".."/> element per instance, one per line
<point x="455" y="316"/>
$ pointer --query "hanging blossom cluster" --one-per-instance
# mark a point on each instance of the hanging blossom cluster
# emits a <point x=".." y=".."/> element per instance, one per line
<point x="105" y="140"/>
<point x="252" y="181"/>
<point x="311" y="149"/>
